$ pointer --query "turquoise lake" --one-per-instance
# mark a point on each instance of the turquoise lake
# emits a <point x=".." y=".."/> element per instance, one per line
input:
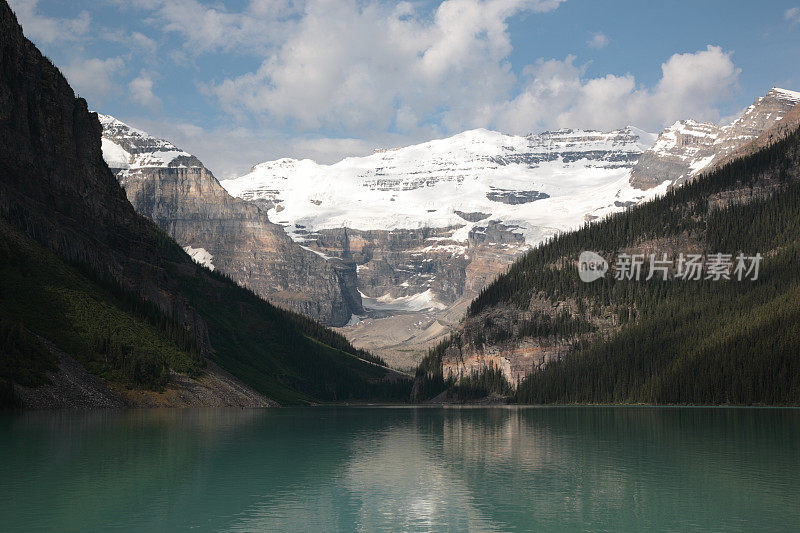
<point x="402" y="469"/>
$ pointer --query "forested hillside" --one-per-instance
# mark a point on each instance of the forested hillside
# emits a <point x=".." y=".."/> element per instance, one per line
<point x="656" y="341"/>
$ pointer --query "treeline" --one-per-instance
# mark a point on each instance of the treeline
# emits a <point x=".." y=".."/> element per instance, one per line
<point x="110" y="330"/>
<point x="480" y="384"/>
<point x="429" y="380"/>
<point x="150" y="371"/>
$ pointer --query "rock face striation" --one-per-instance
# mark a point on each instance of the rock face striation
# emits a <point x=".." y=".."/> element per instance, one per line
<point x="688" y="148"/>
<point x="175" y="190"/>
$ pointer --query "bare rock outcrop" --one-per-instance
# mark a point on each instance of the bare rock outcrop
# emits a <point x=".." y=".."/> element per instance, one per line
<point x="177" y="192"/>
<point x="688" y="148"/>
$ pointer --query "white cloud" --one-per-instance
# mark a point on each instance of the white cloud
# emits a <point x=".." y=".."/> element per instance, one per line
<point x="792" y="15"/>
<point x="362" y="68"/>
<point x="256" y="29"/>
<point x="395" y="75"/>
<point x="599" y="40"/>
<point x="136" y="41"/>
<point x="559" y="95"/>
<point x="359" y="66"/>
<point x="47" y="30"/>
<point x="93" y="78"/>
<point x="556" y="93"/>
<point x="332" y="73"/>
<point x="141" y="90"/>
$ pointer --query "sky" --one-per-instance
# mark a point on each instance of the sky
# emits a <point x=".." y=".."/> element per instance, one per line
<point x="241" y="82"/>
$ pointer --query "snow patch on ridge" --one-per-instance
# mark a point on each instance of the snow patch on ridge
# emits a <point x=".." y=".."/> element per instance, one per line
<point x="125" y="147"/>
<point x="787" y="94"/>
<point x="115" y="155"/>
<point x="200" y="256"/>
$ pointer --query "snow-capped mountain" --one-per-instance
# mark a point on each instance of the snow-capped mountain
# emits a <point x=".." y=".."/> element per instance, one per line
<point x="126" y="148"/>
<point x="413" y="232"/>
<point x="687" y="148"/>
<point x="540" y="184"/>
<point x="429" y="225"/>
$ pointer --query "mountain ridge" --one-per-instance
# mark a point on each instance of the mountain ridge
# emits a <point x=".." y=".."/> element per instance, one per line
<point x="175" y="190"/>
<point x="687" y="148"/>
<point x="437" y="221"/>
<point x="433" y="223"/>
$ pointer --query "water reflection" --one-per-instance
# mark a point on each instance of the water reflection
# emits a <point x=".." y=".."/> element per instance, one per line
<point x="402" y="469"/>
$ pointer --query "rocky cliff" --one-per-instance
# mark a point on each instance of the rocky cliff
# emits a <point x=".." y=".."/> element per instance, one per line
<point x="55" y="184"/>
<point x="778" y="131"/>
<point x="688" y="148"/>
<point x="175" y="190"/>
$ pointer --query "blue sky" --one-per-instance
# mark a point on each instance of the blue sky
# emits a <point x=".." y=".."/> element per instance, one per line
<point x="241" y="82"/>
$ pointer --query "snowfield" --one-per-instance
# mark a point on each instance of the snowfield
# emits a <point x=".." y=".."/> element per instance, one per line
<point x="541" y="183"/>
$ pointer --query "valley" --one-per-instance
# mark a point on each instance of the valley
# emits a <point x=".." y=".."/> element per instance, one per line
<point x="429" y="225"/>
<point x="392" y="247"/>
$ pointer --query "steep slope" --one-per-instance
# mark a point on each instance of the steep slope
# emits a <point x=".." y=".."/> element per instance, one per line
<point x="53" y="331"/>
<point x="778" y="131"/>
<point x="681" y="151"/>
<point x="138" y="305"/>
<point x="429" y="225"/>
<point x="688" y="148"/>
<point x="555" y="338"/>
<point x="175" y="190"/>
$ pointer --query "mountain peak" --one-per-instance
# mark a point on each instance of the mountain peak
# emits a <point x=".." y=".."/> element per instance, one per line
<point x="125" y="147"/>
<point x="784" y="94"/>
<point x="508" y="177"/>
<point x="688" y="147"/>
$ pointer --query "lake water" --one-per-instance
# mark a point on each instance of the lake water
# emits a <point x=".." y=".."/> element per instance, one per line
<point x="412" y="469"/>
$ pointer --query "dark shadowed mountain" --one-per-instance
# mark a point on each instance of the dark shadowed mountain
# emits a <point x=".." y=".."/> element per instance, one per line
<point x="88" y="284"/>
